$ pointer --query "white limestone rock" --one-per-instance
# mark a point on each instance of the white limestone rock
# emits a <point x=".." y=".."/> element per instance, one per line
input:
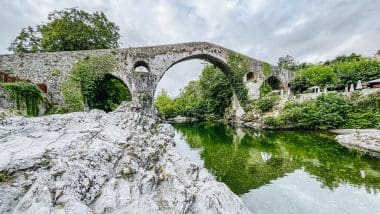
<point x="366" y="140"/>
<point x="97" y="162"/>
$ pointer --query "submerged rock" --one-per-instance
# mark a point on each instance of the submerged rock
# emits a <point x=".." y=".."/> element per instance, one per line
<point x="180" y="119"/>
<point x="97" y="162"/>
<point x="366" y="140"/>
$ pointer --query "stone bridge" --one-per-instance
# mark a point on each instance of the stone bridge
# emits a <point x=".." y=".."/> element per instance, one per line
<point x="139" y="68"/>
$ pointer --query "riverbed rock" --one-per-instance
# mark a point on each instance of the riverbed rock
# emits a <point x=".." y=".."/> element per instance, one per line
<point x="97" y="162"/>
<point x="366" y="140"/>
<point x="180" y="119"/>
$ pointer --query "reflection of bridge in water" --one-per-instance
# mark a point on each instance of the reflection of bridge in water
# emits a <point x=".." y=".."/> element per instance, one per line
<point x="247" y="159"/>
<point x="139" y="68"/>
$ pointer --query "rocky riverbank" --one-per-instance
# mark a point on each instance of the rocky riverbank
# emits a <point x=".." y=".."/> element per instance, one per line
<point x="97" y="162"/>
<point x="366" y="140"/>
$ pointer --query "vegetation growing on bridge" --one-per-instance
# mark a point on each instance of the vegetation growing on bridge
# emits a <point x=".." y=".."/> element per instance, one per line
<point x="238" y="67"/>
<point x="90" y="86"/>
<point x="266" y="69"/>
<point x="27" y="96"/>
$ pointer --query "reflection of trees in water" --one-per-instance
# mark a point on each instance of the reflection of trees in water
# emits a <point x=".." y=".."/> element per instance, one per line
<point x="246" y="159"/>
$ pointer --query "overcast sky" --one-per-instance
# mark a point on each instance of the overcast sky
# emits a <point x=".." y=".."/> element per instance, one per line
<point x="310" y="30"/>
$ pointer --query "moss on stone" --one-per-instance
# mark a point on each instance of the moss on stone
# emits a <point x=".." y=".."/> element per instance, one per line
<point x="4" y="177"/>
<point x="27" y="96"/>
<point x="266" y="69"/>
<point x="238" y="67"/>
<point x="56" y="73"/>
<point x="89" y="86"/>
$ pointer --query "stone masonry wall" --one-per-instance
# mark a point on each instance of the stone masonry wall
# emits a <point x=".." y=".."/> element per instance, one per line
<point x="53" y="68"/>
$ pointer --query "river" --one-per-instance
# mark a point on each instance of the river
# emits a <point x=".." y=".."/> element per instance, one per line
<point x="284" y="171"/>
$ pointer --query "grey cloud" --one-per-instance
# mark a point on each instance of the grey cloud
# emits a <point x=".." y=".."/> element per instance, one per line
<point x="263" y="29"/>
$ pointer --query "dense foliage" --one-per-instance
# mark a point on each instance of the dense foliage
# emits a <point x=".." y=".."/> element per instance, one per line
<point x="265" y="103"/>
<point x="337" y="73"/>
<point x="207" y="98"/>
<point x="238" y="67"/>
<point x="210" y="96"/>
<point x="89" y="86"/>
<point x="315" y="76"/>
<point x="217" y="91"/>
<point x="265" y="89"/>
<point x="110" y="92"/>
<point x="330" y="111"/>
<point x="164" y="104"/>
<point x="27" y="96"/>
<point x="68" y="30"/>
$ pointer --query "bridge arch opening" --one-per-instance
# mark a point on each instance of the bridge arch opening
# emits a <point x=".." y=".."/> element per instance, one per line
<point x="110" y="93"/>
<point x="141" y="66"/>
<point x="193" y="87"/>
<point x="219" y="63"/>
<point x="271" y="85"/>
<point x="250" y="77"/>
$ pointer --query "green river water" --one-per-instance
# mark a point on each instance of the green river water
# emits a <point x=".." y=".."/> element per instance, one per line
<point x="284" y="171"/>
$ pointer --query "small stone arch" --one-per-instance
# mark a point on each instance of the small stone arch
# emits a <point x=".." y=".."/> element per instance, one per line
<point x="114" y="76"/>
<point x="275" y="83"/>
<point x="141" y="66"/>
<point x="111" y="92"/>
<point x="250" y="77"/>
<point x="272" y="84"/>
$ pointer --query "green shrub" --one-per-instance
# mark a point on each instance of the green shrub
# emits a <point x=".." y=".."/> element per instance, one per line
<point x="273" y="121"/>
<point x="361" y="120"/>
<point x="265" y="89"/>
<point x="299" y="114"/>
<point x="210" y="117"/>
<point x="164" y="105"/>
<point x="368" y="103"/>
<point x="332" y="110"/>
<point x="266" y="103"/>
<point x="328" y="111"/>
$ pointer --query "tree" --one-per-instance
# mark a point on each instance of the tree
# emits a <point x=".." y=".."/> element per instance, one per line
<point x="340" y="59"/>
<point x="208" y="96"/>
<point x="68" y="30"/>
<point x="319" y="75"/>
<point x="189" y="103"/>
<point x="287" y="62"/>
<point x="164" y="104"/>
<point x="216" y="90"/>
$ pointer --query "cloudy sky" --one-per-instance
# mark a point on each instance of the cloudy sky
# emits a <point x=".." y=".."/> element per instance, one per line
<point x="264" y="29"/>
